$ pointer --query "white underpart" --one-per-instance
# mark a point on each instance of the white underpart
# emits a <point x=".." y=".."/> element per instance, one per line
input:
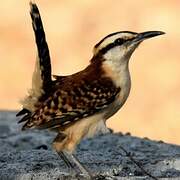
<point x="98" y="128"/>
<point x="35" y="92"/>
<point x="117" y="59"/>
<point x="85" y="128"/>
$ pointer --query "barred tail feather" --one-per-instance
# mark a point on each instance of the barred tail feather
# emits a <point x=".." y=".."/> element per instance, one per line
<point x="41" y="79"/>
<point x="43" y="61"/>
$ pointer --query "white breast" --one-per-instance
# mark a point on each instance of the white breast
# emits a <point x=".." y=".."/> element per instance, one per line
<point x="120" y="100"/>
<point x="118" y="70"/>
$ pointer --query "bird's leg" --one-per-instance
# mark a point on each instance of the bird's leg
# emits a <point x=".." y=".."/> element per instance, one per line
<point x="82" y="169"/>
<point x="57" y="144"/>
<point x="67" y="156"/>
<point x="66" y="160"/>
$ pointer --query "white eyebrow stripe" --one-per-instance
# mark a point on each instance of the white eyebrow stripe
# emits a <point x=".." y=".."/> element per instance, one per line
<point x="110" y="39"/>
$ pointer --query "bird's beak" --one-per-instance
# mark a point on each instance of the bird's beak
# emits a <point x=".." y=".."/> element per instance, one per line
<point x="146" y="35"/>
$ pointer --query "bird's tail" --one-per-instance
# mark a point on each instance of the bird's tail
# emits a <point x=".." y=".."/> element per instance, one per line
<point x="41" y="79"/>
<point x="43" y="65"/>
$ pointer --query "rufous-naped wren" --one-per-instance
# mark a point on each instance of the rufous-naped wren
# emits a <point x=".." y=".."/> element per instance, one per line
<point x="77" y="106"/>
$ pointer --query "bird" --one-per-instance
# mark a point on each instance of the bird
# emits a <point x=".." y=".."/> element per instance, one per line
<point x="77" y="106"/>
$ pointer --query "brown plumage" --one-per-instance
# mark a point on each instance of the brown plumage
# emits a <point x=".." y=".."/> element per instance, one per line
<point x="73" y="97"/>
<point x="78" y="105"/>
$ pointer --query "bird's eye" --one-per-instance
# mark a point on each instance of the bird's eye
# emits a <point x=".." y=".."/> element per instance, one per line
<point x="119" y="41"/>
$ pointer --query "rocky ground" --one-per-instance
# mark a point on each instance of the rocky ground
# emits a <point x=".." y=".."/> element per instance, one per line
<point x="28" y="155"/>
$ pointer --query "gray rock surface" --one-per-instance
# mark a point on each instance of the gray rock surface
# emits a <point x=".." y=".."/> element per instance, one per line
<point x="28" y="155"/>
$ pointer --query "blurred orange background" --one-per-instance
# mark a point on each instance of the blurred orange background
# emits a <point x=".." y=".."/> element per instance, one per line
<point x="73" y="28"/>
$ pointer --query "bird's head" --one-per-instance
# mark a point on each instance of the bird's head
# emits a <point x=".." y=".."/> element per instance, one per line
<point x="120" y="45"/>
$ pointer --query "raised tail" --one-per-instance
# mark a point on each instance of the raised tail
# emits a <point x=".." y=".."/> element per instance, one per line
<point x="42" y="47"/>
<point x="41" y="80"/>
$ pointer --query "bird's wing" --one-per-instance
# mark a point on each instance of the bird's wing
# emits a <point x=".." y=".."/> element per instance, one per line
<point x="73" y="103"/>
